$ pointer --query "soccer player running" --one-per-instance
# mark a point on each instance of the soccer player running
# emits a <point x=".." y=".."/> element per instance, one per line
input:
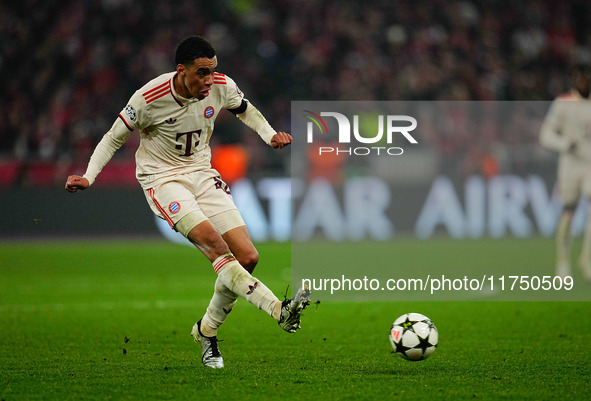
<point x="175" y="116"/>
<point x="567" y="129"/>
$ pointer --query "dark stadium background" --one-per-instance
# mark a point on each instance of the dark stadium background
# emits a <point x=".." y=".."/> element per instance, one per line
<point x="69" y="67"/>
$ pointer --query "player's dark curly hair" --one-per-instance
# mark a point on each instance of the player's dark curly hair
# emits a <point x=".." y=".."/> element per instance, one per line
<point x="191" y="48"/>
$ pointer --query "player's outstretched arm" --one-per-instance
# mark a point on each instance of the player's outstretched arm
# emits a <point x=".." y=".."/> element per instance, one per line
<point x="103" y="152"/>
<point x="75" y="182"/>
<point x="280" y="140"/>
<point x="253" y="119"/>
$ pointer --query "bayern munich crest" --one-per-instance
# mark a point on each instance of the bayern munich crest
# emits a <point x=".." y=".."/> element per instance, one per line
<point x="208" y="113"/>
<point x="174" y="207"/>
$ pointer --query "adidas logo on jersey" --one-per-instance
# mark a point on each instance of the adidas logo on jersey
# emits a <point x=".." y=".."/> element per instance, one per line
<point x="171" y="120"/>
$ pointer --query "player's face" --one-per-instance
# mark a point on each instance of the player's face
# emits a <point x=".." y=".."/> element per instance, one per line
<point x="196" y="80"/>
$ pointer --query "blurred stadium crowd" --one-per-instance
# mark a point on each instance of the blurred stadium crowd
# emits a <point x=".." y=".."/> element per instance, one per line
<point x="68" y="67"/>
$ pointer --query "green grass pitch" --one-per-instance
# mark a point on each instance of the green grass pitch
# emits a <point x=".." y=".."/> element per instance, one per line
<point x="111" y="321"/>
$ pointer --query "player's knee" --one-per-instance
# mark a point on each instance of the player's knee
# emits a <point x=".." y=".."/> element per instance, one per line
<point x="249" y="260"/>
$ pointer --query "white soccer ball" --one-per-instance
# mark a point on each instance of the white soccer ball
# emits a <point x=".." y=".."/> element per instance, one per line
<point x="414" y="336"/>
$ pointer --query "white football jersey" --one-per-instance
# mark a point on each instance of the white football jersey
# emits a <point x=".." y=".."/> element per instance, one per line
<point x="174" y="131"/>
<point x="568" y="123"/>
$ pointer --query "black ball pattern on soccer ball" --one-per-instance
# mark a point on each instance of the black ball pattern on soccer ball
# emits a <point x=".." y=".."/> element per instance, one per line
<point x="424" y="343"/>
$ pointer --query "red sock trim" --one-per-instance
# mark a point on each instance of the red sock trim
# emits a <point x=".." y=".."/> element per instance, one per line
<point x="222" y="261"/>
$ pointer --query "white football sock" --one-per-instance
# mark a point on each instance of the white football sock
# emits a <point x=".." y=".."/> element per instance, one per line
<point x="563" y="240"/>
<point x="241" y="283"/>
<point x="220" y="306"/>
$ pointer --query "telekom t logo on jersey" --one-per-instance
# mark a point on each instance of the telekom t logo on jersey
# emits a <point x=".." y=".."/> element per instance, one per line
<point x="345" y="130"/>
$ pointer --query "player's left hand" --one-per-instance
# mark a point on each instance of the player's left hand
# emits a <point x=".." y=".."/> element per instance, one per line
<point x="75" y="182"/>
<point x="280" y="140"/>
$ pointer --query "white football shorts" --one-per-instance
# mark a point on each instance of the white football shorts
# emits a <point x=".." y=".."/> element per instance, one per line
<point x="198" y="196"/>
<point x="574" y="180"/>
